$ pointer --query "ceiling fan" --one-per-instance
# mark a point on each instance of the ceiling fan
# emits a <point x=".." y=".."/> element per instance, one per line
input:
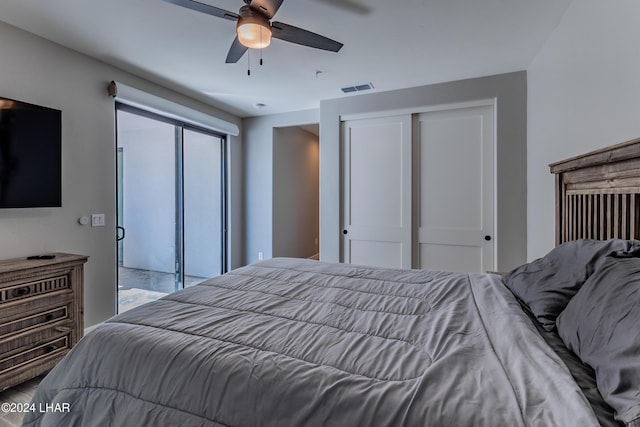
<point x="254" y="28"/>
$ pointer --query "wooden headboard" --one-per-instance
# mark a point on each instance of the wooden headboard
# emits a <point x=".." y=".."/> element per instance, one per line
<point x="598" y="194"/>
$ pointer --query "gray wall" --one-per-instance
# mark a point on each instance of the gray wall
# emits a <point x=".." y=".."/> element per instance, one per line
<point x="583" y="95"/>
<point x="40" y="72"/>
<point x="258" y="142"/>
<point x="510" y="90"/>
<point x="296" y="209"/>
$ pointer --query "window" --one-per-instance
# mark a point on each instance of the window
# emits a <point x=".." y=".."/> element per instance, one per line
<point x="171" y="205"/>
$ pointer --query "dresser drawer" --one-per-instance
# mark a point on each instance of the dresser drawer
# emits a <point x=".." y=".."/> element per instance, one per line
<point x="35" y="319"/>
<point x="21" y="289"/>
<point x="17" y="343"/>
<point x="22" y="350"/>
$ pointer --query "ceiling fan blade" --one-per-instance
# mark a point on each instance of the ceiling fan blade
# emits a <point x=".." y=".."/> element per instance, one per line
<point x="266" y="7"/>
<point x="236" y="51"/>
<point x="348" y="6"/>
<point x="297" y="35"/>
<point x="205" y="8"/>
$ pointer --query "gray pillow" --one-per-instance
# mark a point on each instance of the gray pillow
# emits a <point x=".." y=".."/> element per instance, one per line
<point x="547" y="284"/>
<point x="601" y="324"/>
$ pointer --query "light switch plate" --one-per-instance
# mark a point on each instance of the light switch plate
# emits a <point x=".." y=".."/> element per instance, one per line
<point x="97" y="220"/>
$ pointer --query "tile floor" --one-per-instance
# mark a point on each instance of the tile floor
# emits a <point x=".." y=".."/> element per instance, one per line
<point x="136" y="287"/>
<point x="151" y="280"/>
<point x="22" y="393"/>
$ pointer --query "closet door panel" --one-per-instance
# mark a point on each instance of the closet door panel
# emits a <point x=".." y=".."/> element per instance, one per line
<point x="455" y="189"/>
<point x="377" y="191"/>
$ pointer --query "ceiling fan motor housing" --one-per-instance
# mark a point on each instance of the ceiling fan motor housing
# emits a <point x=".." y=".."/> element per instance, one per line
<point x="253" y="28"/>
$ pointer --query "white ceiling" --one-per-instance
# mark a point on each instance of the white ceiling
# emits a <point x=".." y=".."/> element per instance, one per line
<point x="392" y="44"/>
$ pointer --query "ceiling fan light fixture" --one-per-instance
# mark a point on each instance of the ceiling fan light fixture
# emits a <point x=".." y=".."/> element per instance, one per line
<point x="253" y="29"/>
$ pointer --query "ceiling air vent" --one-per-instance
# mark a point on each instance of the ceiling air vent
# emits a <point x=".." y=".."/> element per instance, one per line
<point x="357" y="88"/>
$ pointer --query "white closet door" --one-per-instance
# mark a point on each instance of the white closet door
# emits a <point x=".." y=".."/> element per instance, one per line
<point x="377" y="191"/>
<point x="455" y="190"/>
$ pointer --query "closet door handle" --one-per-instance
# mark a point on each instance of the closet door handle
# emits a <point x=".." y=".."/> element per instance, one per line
<point x="345" y="231"/>
<point x="487" y="238"/>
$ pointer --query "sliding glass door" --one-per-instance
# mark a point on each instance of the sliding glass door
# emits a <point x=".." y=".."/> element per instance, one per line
<point x="170" y="206"/>
<point x="202" y="206"/>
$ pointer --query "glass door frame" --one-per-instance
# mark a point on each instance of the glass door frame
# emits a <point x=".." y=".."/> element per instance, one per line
<point x="180" y="127"/>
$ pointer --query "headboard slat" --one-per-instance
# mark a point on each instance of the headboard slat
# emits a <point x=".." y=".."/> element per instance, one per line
<point x="597" y="194"/>
<point x="601" y="217"/>
<point x="632" y="217"/>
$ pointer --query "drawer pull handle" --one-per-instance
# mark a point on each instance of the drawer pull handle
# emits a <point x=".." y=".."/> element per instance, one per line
<point x="49" y="317"/>
<point x="62" y="329"/>
<point x="21" y="291"/>
<point x="50" y="348"/>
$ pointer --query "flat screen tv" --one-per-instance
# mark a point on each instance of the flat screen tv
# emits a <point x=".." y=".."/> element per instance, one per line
<point x="30" y="155"/>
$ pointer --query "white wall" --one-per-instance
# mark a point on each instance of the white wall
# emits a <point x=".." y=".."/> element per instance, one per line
<point x="296" y="198"/>
<point x="148" y="209"/>
<point x="40" y="72"/>
<point x="202" y="197"/>
<point x="584" y="94"/>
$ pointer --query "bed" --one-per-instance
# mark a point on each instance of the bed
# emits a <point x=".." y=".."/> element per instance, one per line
<point x="293" y="342"/>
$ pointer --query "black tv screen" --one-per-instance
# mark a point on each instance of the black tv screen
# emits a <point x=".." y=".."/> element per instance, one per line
<point x="30" y="155"/>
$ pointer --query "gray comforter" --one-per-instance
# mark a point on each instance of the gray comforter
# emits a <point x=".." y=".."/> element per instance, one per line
<point x="289" y="342"/>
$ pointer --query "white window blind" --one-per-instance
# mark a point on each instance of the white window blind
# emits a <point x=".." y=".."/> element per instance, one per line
<point x="155" y="104"/>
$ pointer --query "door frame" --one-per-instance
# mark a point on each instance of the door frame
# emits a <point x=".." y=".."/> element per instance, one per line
<point x="415" y="160"/>
<point x="180" y="127"/>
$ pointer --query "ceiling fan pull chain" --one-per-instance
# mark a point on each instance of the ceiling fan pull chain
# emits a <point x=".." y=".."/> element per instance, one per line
<point x="261" y="48"/>
<point x="248" y="62"/>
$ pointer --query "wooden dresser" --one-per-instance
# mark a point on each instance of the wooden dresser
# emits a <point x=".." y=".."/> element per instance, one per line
<point x="41" y="314"/>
